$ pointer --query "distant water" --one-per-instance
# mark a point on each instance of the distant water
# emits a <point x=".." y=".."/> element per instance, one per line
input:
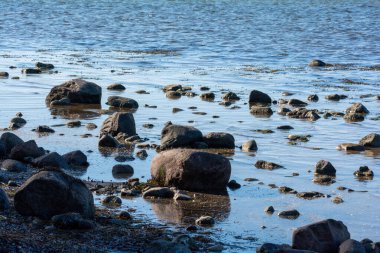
<point x="225" y="45"/>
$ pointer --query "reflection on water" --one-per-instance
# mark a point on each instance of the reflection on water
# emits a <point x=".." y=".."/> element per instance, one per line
<point x="76" y="111"/>
<point x="186" y="212"/>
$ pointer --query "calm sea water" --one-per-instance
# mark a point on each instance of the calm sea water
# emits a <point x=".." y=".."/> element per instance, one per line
<point x="225" y="45"/>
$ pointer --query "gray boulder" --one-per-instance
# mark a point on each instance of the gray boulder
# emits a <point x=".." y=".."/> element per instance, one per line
<point x="78" y="91"/>
<point x="50" y="160"/>
<point x="219" y="140"/>
<point x="324" y="236"/>
<point x="76" y="159"/>
<point x="50" y="193"/>
<point x="26" y="149"/>
<point x="175" y="136"/>
<point x="191" y="170"/>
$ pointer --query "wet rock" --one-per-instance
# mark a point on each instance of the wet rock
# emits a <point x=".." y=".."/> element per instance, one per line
<point x="354" y="117"/>
<point x="317" y="63"/>
<point x="61" y="102"/>
<point x="4" y="201"/>
<point x="159" y="192"/>
<point x="350" y="147"/>
<point x="107" y="141"/>
<point x="191" y="170"/>
<point x="41" y="65"/>
<point x="275" y="248"/>
<point x="112" y="201"/>
<point x="205" y="221"/>
<point x="162" y="246"/>
<point x="269" y="209"/>
<point x="259" y="97"/>
<point x="77" y="91"/>
<point x="323" y="179"/>
<point x="351" y="246"/>
<point x="283" y="110"/>
<point x="285" y="127"/>
<point x="249" y="146"/>
<point x="303" y="113"/>
<point x="174" y="136"/>
<point x="323" y="236"/>
<point x="259" y="110"/>
<point x="324" y="167"/>
<point x="371" y="141"/>
<point x="172" y="87"/>
<point x="335" y="97"/>
<point x="173" y="94"/>
<point x="230" y="96"/>
<point x="298" y="137"/>
<point x="10" y="140"/>
<point x="181" y="195"/>
<point x="49" y="193"/>
<point x="233" y="185"/>
<point x="76" y="159"/>
<point x="313" y="98"/>
<point x="357" y="108"/>
<point x="71" y="221"/>
<point x="289" y="214"/>
<point x="16" y="123"/>
<point x="364" y="173"/>
<point x="142" y="154"/>
<point x="310" y="195"/>
<point x="337" y="200"/>
<point x="208" y="96"/>
<point x="4" y="74"/>
<point x="115" y="86"/>
<point x="149" y="126"/>
<point x="26" y="149"/>
<point x="122" y="171"/>
<point x="219" y="140"/>
<point x="91" y="126"/>
<point x="119" y="122"/>
<point x="72" y="124"/>
<point x="122" y="102"/>
<point x="13" y="166"/>
<point x="175" y="110"/>
<point x="124" y="215"/>
<point x="31" y="71"/>
<point x="296" y="102"/>
<point x="50" y="160"/>
<point x="44" y="129"/>
<point x="261" y="164"/>
<point x="285" y="189"/>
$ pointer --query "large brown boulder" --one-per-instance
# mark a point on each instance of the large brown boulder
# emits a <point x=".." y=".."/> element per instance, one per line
<point x="192" y="170"/>
<point x="176" y="136"/>
<point x="78" y="91"/>
<point x="119" y="122"/>
<point x="323" y="237"/>
<point x="49" y="193"/>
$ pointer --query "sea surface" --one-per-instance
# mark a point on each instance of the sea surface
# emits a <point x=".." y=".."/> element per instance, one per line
<point x="227" y="46"/>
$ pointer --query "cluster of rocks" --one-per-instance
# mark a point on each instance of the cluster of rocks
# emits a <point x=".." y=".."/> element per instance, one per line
<point x="321" y="237"/>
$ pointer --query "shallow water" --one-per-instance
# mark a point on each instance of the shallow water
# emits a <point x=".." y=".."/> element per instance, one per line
<point x="225" y="45"/>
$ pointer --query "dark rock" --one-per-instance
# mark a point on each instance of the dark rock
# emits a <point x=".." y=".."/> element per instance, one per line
<point x="260" y="164"/>
<point x="283" y="110"/>
<point x="49" y="193"/>
<point x="4" y="201"/>
<point x="335" y="97"/>
<point x="122" y="171"/>
<point x="75" y="123"/>
<point x="269" y="209"/>
<point x="275" y="248"/>
<point x="174" y="136"/>
<point x="31" y="71"/>
<point x="364" y="172"/>
<point x="77" y="91"/>
<point x="371" y="141"/>
<point x="205" y="221"/>
<point x="285" y="127"/>
<point x="219" y="140"/>
<point x="122" y="102"/>
<point x="10" y="140"/>
<point x="191" y="170"/>
<point x="13" y="166"/>
<point x="159" y="192"/>
<point x="172" y="87"/>
<point x="351" y="246"/>
<point x="163" y="246"/>
<point x="357" y="108"/>
<point x="149" y="126"/>
<point x="317" y="63"/>
<point x="71" y="221"/>
<point x="41" y="65"/>
<point x="233" y="185"/>
<point x="173" y="94"/>
<point x="61" y="102"/>
<point x="296" y="102"/>
<point x="26" y="149"/>
<point x="310" y="195"/>
<point x="175" y="110"/>
<point x="44" y="129"/>
<point x="3" y="151"/>
<point x="259" y="110"/>
<point x="112" y="201"/>
<point x="230" y="96"/>
<point x="351" y="147"/>
<point x="289" y="214"/>
<point x="337" y="200"/>
<point x="286" y="189"/>
<point x="107" y="141"/>
<point x="323" y="179"/>
<point x="142" y="154"/>
<point x="249" y="146"/>
<point x="323" y="236"/>
<point x="303" y="113"/>
<point x="259" y="97"/>
<point x="313" y="98"/>
<point x="119" y="122"/>
<point x="324" y="167"/>
<point x="51" y="160"/>
<point x="16" y="123"/>
<point x="207" y="96"/>
<point x="181" y="195"/>
<point x="116" y="86"/>
<point x="124" y="215"/>
<point x="76" y="159"/>
<point x="353" y="117"/>
<point x="298" y="137"/>
<point x="4" y="74"/>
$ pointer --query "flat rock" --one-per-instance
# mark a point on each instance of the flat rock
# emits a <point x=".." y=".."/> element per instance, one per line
<point x="159" y="192"/>
<point x="289" y="214"/>
<point x="310" y="195"/>
<point x="44" y="129"/>
<point x="259" y="110"/>
<point x="350" y="147"/>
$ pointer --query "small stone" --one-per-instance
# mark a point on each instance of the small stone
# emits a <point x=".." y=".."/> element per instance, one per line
<point x="41" y="65"/>
<point x="124" y="215"/>
<point x="310" y="195"/>
<point x="371" y="141"/>
<point x="71" y="221"/>
<point x="249" y="146"/>
<point x="159" y="192"/>
<point x="182" y="195"/>
<point x="116" y="86"/>
<point x="337" y="200"/>
<point x="233" y="185"/>
<point x="91" y="126"/>
<point x="324" y="167"/>
<point x="230" y="96"/>
<point x="44" y="129"/>
<point x="364" y="173"/>
<point x="175" y="110"/>
<point x="285" y="127"/>
<point x="4" y="75"/>
<point x="205" y="221"/>
<point x="290" y="214"/>
<point x="111" y="201"/>
<point x="317" y="63"/>
<point x="173" y="94"/>
<point x="31" y="71"/>
<point x="269" y="210"/>
<point x="261" y="164"/>
<point x="72" y="124"/>
<point x="142" y="154"/>
<point x="313" y="98"/>
<point x="208" y="96"/>
<point x="350" y="147"/>
<point x="296" y="102"/>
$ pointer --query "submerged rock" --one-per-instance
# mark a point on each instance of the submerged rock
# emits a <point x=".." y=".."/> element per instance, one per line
<point x="350" y="147"/>
<point x="4" y="74"/>
<point x="289" y="214"/>
<point x="261" y="164"/>
<point x="364" y="173"/>
<point x="317" y="63"/>
<point x="296" y="102"/>
<point x="77" y="91"/>
<point x="49" y="193"/>
<point x="313" y="98"/>
<point x="41" y="65"/>
<point x="44" y="129"/>
<point x="191" y="170"/>
<point x="230" y="96"/>
<point x="259" y="110"/>
<point x="303" y="113"/>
